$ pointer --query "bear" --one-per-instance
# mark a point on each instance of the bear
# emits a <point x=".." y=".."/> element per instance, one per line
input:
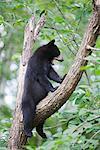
<point x="37" y="84"/>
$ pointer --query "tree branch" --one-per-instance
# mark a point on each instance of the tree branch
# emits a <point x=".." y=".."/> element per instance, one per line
<point x="54" y="101"/>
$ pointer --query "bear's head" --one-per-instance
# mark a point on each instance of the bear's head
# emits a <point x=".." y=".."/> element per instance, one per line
<point x="49" y="51"/>
<point x="52" y="49"/>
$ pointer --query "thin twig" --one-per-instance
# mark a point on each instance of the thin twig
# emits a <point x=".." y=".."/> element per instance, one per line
<point x="91" y="139"/>
<point x="93" y="61"/>
<point x="65" y="19"/>
<point x="97" y="117"/>
<point x="87" y="78"/>
<point x="93" y="48"/>
<point x="54" y="28"/>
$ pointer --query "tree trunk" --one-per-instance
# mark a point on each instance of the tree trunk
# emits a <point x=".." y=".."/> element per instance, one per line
<point x="54" y="101"/>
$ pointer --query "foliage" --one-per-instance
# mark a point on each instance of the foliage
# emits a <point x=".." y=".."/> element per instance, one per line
<point x="76" y="125"/>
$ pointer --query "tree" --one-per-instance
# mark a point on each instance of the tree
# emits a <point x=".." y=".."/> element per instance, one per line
<point x="58" y="98"/>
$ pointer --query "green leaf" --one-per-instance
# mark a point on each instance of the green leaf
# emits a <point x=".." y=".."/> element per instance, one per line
<point x="1" y="19"/>
<point x="97" y="72"/>
<point x="86" y="67"/>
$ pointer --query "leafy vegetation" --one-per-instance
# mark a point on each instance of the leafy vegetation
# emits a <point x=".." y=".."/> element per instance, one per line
<point x="76" y="125"/>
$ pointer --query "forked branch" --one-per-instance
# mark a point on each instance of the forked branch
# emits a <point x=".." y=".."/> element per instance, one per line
<point x="54" y="101"/>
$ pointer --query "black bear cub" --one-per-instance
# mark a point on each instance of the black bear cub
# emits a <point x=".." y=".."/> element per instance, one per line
<point x="37" y="84"/>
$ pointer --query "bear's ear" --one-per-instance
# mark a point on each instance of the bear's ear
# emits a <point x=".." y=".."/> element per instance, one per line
<point x="51" y="42"/>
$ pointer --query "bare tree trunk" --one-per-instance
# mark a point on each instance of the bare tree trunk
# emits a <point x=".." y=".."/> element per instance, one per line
<point x="52" y="103"/>
<point x="17" y="137"/>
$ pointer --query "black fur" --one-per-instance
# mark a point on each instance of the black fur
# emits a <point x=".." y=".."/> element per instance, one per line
<point x="37" y="85"/>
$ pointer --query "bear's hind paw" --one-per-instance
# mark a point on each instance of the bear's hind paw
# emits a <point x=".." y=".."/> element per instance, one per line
<point x="28" y="134"/>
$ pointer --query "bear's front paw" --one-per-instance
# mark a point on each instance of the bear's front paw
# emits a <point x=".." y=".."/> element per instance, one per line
<point x="54" y="89"/>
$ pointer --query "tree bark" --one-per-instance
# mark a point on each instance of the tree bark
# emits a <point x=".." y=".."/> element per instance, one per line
<point x="54" y="101"/>
<point x="17" y="137"/>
